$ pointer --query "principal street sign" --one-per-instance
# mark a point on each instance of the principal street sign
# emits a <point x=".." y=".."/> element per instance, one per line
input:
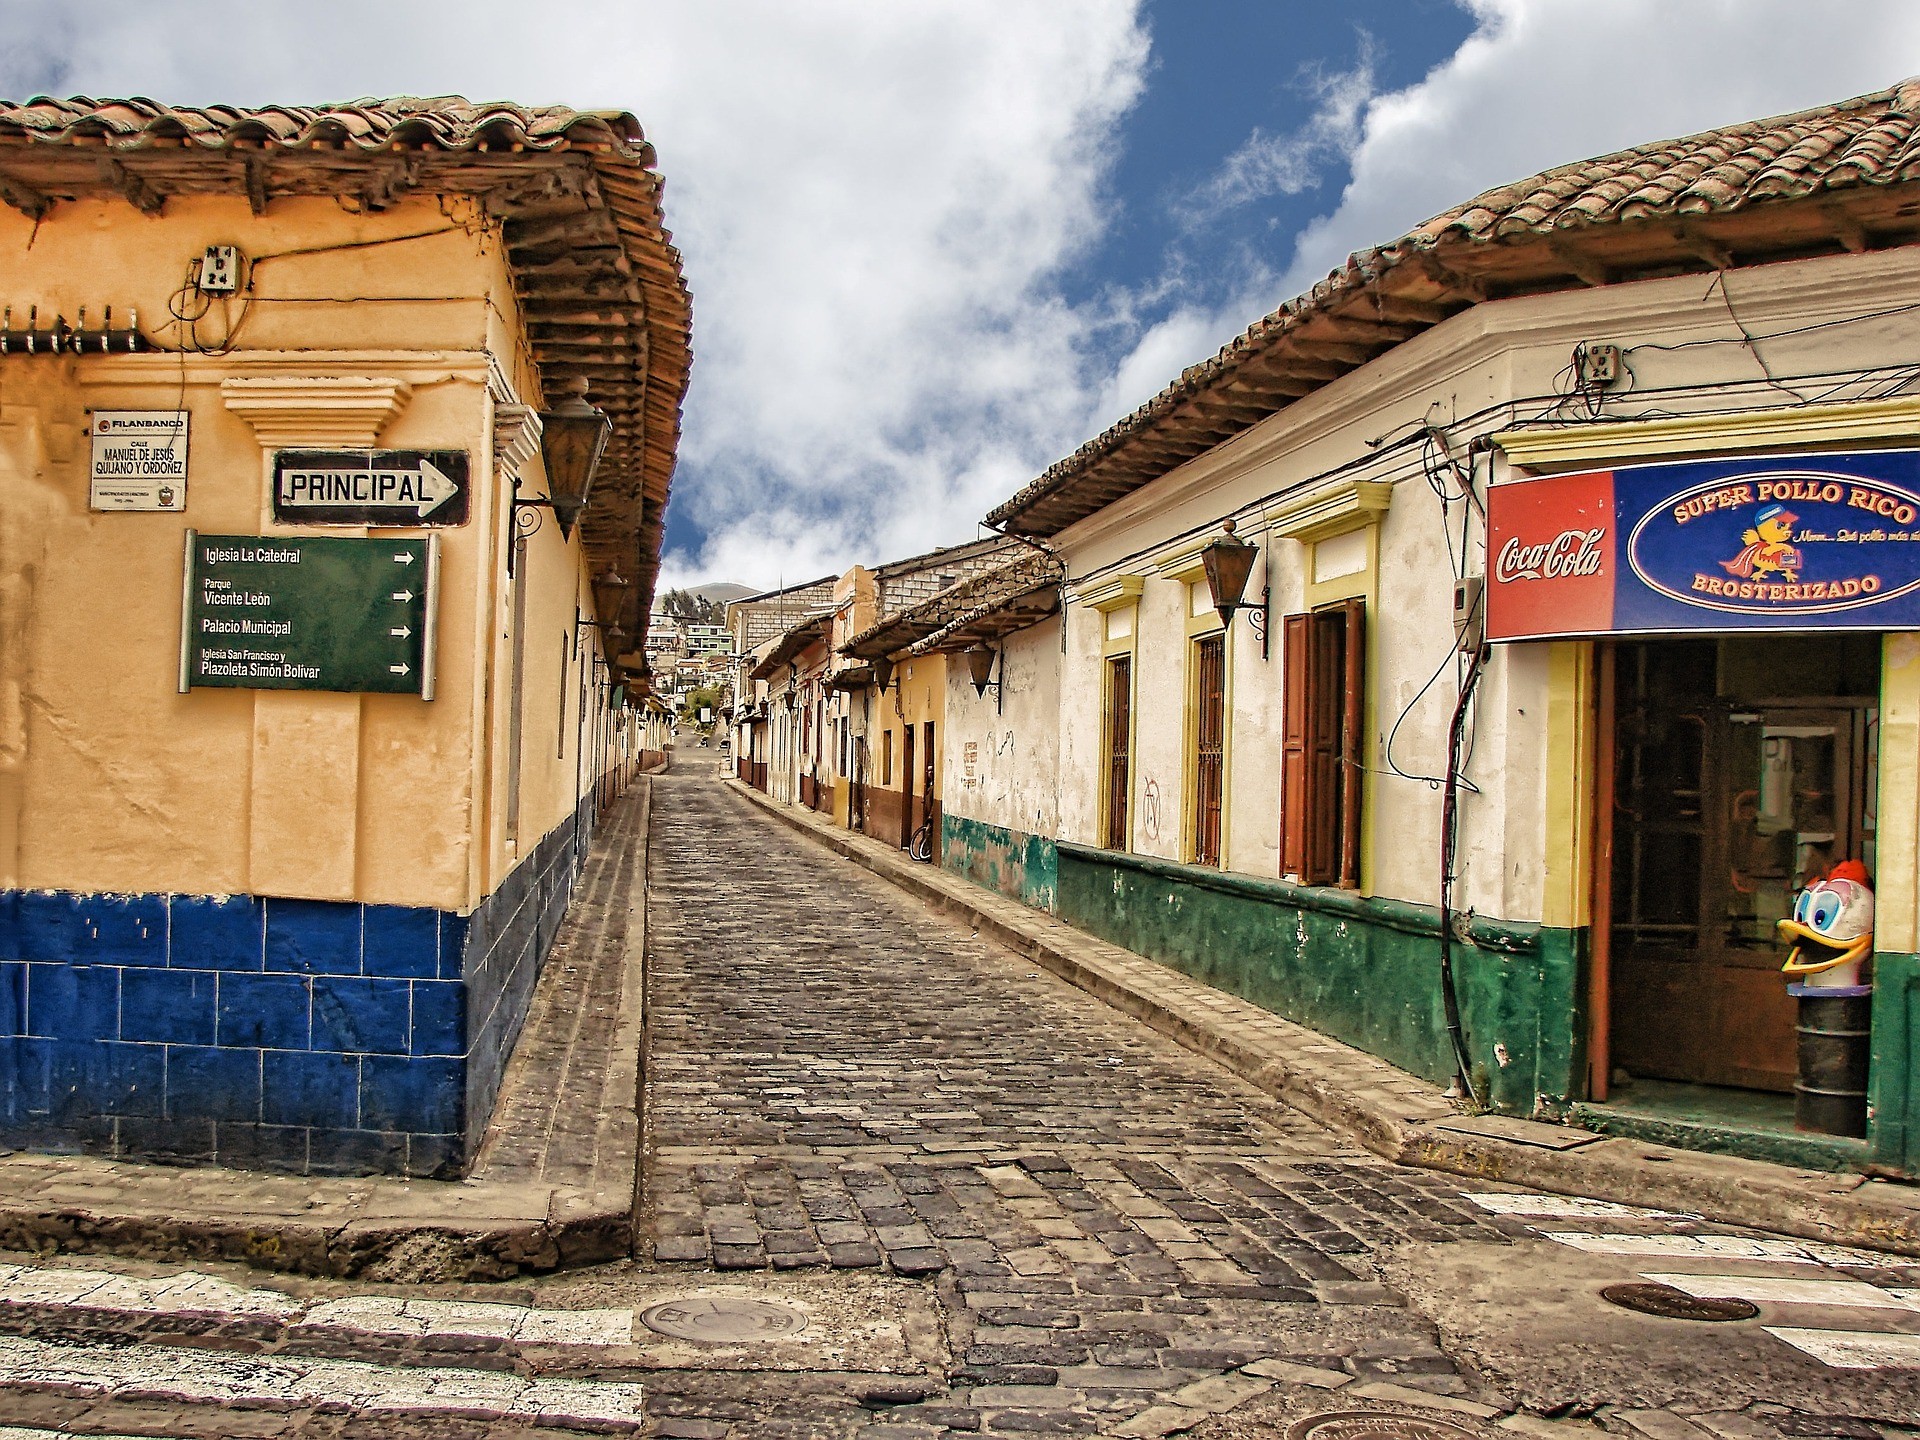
<point x="370" y="487"/>
<point x="309" y="613"/>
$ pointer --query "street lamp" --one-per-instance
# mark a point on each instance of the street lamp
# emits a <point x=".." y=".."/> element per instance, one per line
<point x="610" y="594"/>
<point x="1228" y="561"/>
<point x="882" y="671"/>
<point x="573" y="437"/>
<point x="980" y="669"/>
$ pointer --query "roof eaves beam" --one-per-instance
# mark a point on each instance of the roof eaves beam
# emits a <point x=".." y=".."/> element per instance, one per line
<point x="24" y="198"/>
<point x="1851" y="234"/>
<point x="1581" y="265"/>
<point x="139" y="194"/>
<point x="1447" y="278"/>
<point x="1405" y="309"/>
<point x="257" y="193"/>
<point x="1704" y="246"/>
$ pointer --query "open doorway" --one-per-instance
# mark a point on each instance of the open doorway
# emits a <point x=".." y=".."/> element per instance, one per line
<point x="1741" y="768"/>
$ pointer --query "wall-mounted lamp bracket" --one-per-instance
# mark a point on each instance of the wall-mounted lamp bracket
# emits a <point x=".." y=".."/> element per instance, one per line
<point x="980" y="668"/>
<point x="523" y="520"/>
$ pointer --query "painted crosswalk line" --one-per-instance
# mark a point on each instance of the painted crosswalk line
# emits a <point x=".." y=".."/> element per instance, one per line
<point x="1853" y="1349"/>
<point x="1786" y="1290"/>
<point x="206" y="1298"/>
<point x="1569" y="1207"/>
<point x="176" y="1375"/>
<point x="452" y="1319"/>
<point x="1724" y="1247"/>
<point x="185" y="1294"/>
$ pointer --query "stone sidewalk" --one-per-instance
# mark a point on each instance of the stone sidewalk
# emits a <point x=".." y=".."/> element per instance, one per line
<point x="553" y="1186"/>
<point x="1392" y="1113"/>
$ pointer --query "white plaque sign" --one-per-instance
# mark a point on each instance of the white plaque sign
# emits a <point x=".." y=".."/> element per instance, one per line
<point x="139" y="459"/>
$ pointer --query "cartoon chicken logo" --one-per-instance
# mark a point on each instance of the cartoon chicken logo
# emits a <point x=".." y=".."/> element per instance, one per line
<point x="1769" y="551"/>
<point x="1831" y="927"/>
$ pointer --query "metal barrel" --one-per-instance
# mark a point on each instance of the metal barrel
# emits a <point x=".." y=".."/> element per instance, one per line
<point x="1830" y="1095"/>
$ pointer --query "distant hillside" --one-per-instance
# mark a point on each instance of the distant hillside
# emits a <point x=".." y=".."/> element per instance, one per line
<point x="706" y="603"/>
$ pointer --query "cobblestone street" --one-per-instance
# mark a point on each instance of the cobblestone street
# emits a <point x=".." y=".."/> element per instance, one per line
<point x="897" y="1184"/>
<point x="839" y="1077"/>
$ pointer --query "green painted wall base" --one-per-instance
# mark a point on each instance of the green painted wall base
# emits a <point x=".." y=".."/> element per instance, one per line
<point x="1893" y="1083"/>
<point x="1021" y="866"/>
<point x="1366" y="971"/>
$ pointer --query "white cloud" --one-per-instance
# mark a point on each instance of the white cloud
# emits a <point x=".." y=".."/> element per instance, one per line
<point x="1544" y="82"/>
<point x="878" y="201"/>
<point x="1538" y="84"/>
<point x="1267" y="165"/>
<point x="875" y="201"/>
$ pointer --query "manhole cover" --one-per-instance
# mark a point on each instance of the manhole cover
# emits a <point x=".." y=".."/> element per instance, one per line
<point x="1373" y="1425"/>
<point x="724" y="1319"/>
<point x="1664" y="1300"/>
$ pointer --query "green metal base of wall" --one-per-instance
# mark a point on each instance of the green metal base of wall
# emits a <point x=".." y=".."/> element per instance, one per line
<point x="1020" y="866"/>
<point x="1893" y="1083"/>
<point x="1719" y="1121"/>
<point x="1366" y="971"/>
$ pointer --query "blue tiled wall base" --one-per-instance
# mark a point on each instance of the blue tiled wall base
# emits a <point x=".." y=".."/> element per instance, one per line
<point x="310" y="1036"/>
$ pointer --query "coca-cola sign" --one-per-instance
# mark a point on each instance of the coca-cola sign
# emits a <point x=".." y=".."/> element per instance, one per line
<point x="1571" y="552"/>
<point x="1761" y="543"/>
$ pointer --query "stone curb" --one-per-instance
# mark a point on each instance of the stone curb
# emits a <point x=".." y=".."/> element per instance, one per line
<point x="373" y="1228"/>
<point x="1390" y="1112"/>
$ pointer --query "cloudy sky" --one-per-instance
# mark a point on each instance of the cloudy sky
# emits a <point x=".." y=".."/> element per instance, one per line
<point x="936" y="244"/>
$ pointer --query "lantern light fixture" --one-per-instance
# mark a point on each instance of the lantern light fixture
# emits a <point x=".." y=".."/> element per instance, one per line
<point x="980" y="668"/>
<point x="573" y="437"/>
<point x="1228" y="561"/>
<point x="883" y="671"/>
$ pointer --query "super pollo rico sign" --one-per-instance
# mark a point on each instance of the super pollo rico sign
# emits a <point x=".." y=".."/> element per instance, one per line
<point x="1762" y="543"/>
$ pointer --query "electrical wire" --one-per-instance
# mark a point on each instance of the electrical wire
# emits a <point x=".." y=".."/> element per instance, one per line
<point x="1449" y="841"/>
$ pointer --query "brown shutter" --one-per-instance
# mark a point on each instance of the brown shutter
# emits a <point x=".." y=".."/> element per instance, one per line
<point x="1353" y="741"/>
<point x="1210" y="657"/>
<point x="1326" y="677"/>
<point x="1295" y="645"/>
<point x="1119" y="748"/>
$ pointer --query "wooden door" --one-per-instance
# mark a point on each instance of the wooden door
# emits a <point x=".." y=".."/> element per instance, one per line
<point x="1119" y="748"/>
<point x="1723" y="809"/>
<point x="1209" y="761"/>
<point x="929" y="789"/>
<point x="908" y="822"/>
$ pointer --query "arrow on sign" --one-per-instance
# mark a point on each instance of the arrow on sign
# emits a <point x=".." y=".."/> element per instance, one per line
<point x="398" y="669"/>
<point x="406" y="559"/>
<point x="403" y="595"/>
<point x="422" y="489"/>
<point x="401" y="631"/>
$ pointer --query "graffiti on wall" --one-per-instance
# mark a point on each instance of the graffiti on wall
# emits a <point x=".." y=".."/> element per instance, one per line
<point x="986" y="765"/>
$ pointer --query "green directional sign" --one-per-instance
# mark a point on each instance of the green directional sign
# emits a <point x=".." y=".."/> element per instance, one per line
<point x="309" y="613"/>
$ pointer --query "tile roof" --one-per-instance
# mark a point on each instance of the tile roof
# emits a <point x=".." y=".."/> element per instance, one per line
<point x="576" y="193"/>
<point x="1836" y="178"/>
<point x="971" y="601"/>
<point x="793" y="643"/>
<point x="770" y="613"/>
